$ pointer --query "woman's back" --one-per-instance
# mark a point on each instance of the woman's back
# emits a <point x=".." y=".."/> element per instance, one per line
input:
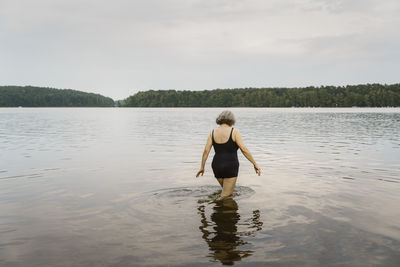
<point x="226" y="145"/>
<point x="225" y="163"/>
<point x="222" y="134"/>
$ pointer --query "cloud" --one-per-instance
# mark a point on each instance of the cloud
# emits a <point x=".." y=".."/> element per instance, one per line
<point x="118" y="47"/>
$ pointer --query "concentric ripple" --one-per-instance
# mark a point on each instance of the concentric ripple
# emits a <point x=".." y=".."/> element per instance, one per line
<point x="201" y="194"/>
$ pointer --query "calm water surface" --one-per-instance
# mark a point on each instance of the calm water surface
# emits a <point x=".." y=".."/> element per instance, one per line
<point x="116" y="187"/>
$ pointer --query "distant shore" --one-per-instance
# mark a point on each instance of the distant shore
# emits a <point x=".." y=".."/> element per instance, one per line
<point x="363" y="95"/>
<point x="30" y="96"/>
<point x="368" y="95"/>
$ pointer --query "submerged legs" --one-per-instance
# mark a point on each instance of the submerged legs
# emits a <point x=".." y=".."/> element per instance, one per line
<point x="228" y="185"/>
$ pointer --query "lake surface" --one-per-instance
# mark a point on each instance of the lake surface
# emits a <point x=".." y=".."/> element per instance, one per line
<point x="117" y="187"/>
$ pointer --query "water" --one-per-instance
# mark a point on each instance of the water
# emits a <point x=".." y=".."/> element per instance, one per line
<point x="117" y="187"/>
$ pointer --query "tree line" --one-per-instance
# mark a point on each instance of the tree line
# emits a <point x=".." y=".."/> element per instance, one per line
<point x="366" y="95"/>
<point x="30" y="96"/>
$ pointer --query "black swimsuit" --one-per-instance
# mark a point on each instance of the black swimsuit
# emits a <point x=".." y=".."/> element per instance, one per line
<point x="225" y="163"/>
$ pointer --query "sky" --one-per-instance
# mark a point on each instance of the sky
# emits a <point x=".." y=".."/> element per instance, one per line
<point x="117" y="48"/>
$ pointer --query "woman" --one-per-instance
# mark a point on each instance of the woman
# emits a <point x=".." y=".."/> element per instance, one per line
<point x="226" y="140"/>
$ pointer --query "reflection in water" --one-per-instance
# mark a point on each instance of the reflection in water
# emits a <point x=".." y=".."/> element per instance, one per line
<point x="224" y="238"/>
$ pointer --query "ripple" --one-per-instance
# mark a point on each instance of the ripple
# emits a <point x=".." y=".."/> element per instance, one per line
<point x="156" y="169"/>
<point x="7" y="230"/>
<point x="201" y="194"/>
<point x="31" y="175"/>
<point x="387" y="180"/>
<point x="15" y="243"/>
<point x="51" y="169"/>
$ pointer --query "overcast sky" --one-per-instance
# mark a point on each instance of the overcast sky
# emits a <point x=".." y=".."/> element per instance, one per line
<point x="119" y="47"/>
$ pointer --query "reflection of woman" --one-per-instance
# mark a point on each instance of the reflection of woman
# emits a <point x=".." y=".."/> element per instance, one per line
<point x="226" y="140"/>
<point x="223" y="238"/>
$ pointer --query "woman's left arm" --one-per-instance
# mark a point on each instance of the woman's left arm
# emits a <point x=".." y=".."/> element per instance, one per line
<point x="205" y="156"/>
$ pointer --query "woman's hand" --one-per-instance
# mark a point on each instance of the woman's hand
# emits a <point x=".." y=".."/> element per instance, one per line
<point x="257" y="169"/>
<point x="201" y="171"/>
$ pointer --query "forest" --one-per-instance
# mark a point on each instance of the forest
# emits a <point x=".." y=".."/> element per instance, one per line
<point x="30" y="96"/>
<point x="366" y="95"/>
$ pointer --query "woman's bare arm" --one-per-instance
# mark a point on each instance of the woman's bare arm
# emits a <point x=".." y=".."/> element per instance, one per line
<point x="205" y="156"/>
<point x="245" y="150"/>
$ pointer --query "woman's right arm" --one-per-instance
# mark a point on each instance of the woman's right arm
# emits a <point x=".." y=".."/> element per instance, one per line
<point x="206" y="151"/>
<point x="246" y="151"/>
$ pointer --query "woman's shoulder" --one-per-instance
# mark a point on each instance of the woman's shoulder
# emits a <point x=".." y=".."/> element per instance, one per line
<point x="235" y="133"/>
<point x="235" y="130"/>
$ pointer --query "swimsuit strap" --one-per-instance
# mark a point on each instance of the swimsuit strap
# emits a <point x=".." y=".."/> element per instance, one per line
<point x="213" y="136"/>
<point x="230" y="137"/>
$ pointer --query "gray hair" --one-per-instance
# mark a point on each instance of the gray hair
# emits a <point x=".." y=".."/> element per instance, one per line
<point x="226" y="117"/>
